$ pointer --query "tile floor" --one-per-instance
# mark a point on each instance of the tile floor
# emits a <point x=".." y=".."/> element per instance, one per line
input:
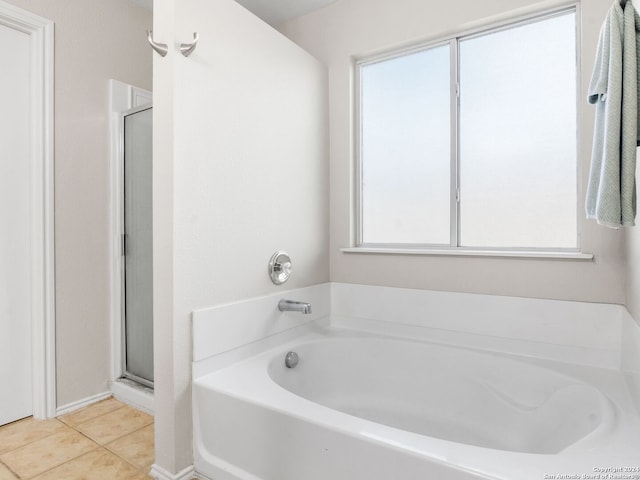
<point x="105" y="441"/>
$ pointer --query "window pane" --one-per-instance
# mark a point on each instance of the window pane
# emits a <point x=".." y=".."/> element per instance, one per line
<point x="405" y="122"/>
<point x="518" y="137"/>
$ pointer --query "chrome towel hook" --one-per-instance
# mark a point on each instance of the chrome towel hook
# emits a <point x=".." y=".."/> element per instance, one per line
<point x="187" y="48"/>
<point x="160" y="48"/>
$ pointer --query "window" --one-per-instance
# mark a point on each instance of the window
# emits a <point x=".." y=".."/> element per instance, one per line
<point x="472" y="143"/>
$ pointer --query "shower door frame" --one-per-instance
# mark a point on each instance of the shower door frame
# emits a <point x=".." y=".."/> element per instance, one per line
<point x="123" y="284"/>
<point x="124" y="98"/>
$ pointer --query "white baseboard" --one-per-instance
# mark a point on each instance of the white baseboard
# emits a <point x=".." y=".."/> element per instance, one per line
<point x="70" y="407"/>
<point x="133" y="394"/>
<point x="160" y="473"/>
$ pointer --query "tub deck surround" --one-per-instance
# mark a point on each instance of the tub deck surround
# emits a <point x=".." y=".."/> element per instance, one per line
<point x="225" y="327"/>
<point x="404" y="384"/>
<point x="590" y="332"/>
<point x="575" y="332"/>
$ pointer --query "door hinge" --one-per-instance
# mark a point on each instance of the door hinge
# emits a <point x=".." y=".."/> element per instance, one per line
<point x="458" y="195"/>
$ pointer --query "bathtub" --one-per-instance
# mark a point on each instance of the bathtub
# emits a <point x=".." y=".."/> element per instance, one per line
<point x="364" y="406"/>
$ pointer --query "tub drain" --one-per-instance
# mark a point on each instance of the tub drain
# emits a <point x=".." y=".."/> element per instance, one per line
<point x="291" y="360"/>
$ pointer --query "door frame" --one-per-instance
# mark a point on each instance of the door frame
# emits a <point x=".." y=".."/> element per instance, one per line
<point x="42" y="268"/>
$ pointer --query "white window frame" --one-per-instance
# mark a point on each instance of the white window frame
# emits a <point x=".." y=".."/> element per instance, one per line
<point x="453" y="248"/>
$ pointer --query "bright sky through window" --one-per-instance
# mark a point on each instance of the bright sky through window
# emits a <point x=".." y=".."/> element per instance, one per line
<point x="515" y="132"/>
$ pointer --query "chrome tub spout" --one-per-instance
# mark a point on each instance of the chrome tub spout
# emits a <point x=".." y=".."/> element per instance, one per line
<point x="293" y="306"/>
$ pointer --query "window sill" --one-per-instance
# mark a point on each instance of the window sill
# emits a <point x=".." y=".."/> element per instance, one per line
<point x="471" y="253"/>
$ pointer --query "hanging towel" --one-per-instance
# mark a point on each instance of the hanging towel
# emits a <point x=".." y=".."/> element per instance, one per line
<point x="611" y="192"/>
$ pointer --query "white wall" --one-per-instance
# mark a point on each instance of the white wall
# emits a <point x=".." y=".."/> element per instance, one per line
<point x="240" y="171"/>
<point x="94" y="41"/>
<point x="352" y="28"/>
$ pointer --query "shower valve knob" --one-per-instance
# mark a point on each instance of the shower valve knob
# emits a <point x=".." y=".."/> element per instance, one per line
<point x="280" y="267"/>
<point x="283" y="267"/>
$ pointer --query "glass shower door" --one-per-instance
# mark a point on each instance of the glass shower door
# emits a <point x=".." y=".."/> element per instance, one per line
<point x="138" y="246"/>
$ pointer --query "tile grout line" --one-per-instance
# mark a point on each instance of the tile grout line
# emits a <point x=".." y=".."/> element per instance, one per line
<point x="92" y="418"/>
<point x="9" y="468"/>
<point x="113" y="440"/>
<point x="73" y="427"/>
<point x="133" y="431"/>
<point x="107" y="448"/>
<point x="62" y="422"/>
<point x="138" y="469"/>
<point x="63" y="463"/>
<point x="98" y="447"/>
<point x="32" y="441"/>
<point x="127" y="434"/>
<point x="88" y="438"/>
<point x="142" y="469"/>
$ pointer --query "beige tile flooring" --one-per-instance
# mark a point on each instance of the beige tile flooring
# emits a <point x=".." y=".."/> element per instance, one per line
<point x="104" y="441"/>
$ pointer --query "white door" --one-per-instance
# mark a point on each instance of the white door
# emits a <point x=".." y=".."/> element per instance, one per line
<point x="15" y="227"/>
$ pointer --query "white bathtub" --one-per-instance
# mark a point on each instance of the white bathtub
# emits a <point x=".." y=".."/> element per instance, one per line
<point x="361" y="406"/>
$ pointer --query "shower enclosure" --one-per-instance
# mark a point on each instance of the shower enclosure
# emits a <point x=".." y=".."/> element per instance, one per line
<point x="137" y="246"/>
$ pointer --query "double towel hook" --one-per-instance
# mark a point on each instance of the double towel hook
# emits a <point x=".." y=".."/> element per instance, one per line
<point x="162" y="48"/>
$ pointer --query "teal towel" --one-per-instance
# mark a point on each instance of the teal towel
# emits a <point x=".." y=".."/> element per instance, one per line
<point x="611" y="192"/>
